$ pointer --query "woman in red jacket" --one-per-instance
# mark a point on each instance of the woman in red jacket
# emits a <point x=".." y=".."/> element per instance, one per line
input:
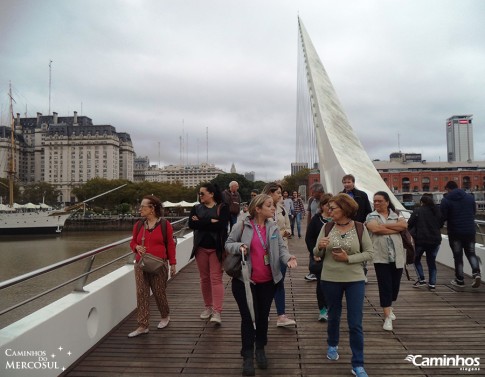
<point x="148" y="238"/>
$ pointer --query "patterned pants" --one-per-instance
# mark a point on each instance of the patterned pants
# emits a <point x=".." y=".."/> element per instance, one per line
<point x="158" y="284"/>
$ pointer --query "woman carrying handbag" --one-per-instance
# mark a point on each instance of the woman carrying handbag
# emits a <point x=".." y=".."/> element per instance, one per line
<point x="149" y="238"/>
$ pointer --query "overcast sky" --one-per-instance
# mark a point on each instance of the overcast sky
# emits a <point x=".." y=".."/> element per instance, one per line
<point x="165" y="71"/>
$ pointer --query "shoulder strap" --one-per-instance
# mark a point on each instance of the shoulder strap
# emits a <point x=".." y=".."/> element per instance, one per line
<point x="164" y="232"/>
<point x="328" y="228"/>
<point x="242" y="230"/>
<point x="359" y="227"/>
<point x="139" y="225"/>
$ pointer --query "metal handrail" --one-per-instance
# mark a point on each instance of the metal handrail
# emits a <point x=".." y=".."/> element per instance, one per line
<point x="81" y="277"/>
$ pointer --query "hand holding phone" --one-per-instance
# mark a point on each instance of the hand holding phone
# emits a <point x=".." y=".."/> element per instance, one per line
<point x="336" y="249"/>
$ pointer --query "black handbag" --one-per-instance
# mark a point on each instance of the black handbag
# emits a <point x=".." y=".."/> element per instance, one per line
<point x="232" y="265"/>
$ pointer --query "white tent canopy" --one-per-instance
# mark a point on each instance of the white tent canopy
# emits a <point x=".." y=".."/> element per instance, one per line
<point x="4" y="208"/>
<point x="183" y="203"/>
<point x="16" y="206"/>
<point x="30" y="206"/>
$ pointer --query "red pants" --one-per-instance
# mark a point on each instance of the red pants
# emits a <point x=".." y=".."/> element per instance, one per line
<point x="210" y="270"/>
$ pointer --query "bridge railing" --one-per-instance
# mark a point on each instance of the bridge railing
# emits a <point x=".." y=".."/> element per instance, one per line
<point x="180" y="228"/>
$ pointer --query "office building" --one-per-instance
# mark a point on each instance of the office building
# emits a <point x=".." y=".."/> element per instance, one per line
<point x="66" y="152"/>
<point x="187" y="175"/>
<point x="459" y="138"/>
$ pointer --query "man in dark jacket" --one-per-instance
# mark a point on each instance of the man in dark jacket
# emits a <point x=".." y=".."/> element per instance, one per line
<point x="458" y="209"/>
<point x="232" y="198"/>
<point x="359" y="196"/>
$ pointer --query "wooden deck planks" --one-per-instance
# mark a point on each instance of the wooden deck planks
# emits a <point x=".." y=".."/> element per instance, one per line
<point x="432" y="324"/>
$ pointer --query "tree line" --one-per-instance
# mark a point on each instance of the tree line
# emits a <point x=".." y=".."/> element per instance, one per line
<point x="127" y="198"/>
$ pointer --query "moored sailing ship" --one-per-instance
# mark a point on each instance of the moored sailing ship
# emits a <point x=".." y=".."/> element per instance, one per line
<point x="18" y="221"/>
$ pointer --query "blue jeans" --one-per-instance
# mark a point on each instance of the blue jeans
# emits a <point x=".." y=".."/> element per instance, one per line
<point x="279" y="294"/>
<point x="459" y="244"/>
<point x="354" y="296"/>
<point x="431" y="253"/>
<point x="232" y="220"/>
<point x="298" y="224"/>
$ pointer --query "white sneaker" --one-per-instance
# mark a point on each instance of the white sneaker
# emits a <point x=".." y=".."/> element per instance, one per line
<point x="283" y="321"/>
<point x="392" y="316"/>
<point x="206" y="313"/>
<point x="163" y="323"/>
<point x="216" y="318"/>
<point x="387" y="324"/>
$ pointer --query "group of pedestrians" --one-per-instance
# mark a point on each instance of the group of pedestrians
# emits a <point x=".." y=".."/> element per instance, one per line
<point x="343" y="234"/>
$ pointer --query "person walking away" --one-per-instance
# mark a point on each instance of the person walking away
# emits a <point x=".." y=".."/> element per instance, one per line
<point x="384" y="226"/>
<point x="458" y="209"/>
<point x="317" y="191"/>
<point x="343" y="249"/>
<point x="232" y="198"/>
<point x="290" y="210"/>
<point x="283" y="222"/>
<point x="209" y="221"/>
<point x="148" y="237"/>
<point x="299" y="208"/>
<point x="425" y="226"/>
<point x="311" y="236"/>
<point x="259" y="238"/>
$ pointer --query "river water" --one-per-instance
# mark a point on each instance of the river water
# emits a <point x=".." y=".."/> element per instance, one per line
<point x="23" y="254"/>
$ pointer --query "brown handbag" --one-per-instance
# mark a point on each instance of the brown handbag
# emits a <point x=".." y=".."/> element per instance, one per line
<point x="150" y="263"/>
<point x="408" y="244"/>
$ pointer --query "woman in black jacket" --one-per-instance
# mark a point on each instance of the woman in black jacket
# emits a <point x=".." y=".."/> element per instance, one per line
<point x="209" y="221"/>
<point x="313" y="230"/>
<point x="425" y="225"/>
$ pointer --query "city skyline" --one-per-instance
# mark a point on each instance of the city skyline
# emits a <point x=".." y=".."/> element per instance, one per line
<point x="164" y="70"/>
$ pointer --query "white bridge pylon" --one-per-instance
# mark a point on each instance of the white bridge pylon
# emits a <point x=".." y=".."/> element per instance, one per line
<point x="339" y="149"/>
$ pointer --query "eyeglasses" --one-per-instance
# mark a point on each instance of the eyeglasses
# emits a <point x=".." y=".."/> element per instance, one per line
<point x="145" y="205"/>
<point x="333" y="208"/>
<point x="201" y="193"/>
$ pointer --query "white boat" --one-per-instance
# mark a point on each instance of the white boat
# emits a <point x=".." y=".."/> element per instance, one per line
<point x="37" y="222"/>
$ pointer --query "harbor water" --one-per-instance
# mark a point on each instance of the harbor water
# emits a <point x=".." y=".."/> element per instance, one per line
<point x="23" y="254"/>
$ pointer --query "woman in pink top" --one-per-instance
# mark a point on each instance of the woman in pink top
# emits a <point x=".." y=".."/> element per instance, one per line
<point x="258" y="237"/>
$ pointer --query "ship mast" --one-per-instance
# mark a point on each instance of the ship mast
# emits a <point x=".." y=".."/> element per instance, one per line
<point x="11" y="168"/>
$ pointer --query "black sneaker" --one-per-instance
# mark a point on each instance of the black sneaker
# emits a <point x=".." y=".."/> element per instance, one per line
<point x="310" y="277"/>
<point x="458" y="283"/>
<point x="431" y="287"/>
<point x="419" y="284"/>
<point x="477" y="280"/>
